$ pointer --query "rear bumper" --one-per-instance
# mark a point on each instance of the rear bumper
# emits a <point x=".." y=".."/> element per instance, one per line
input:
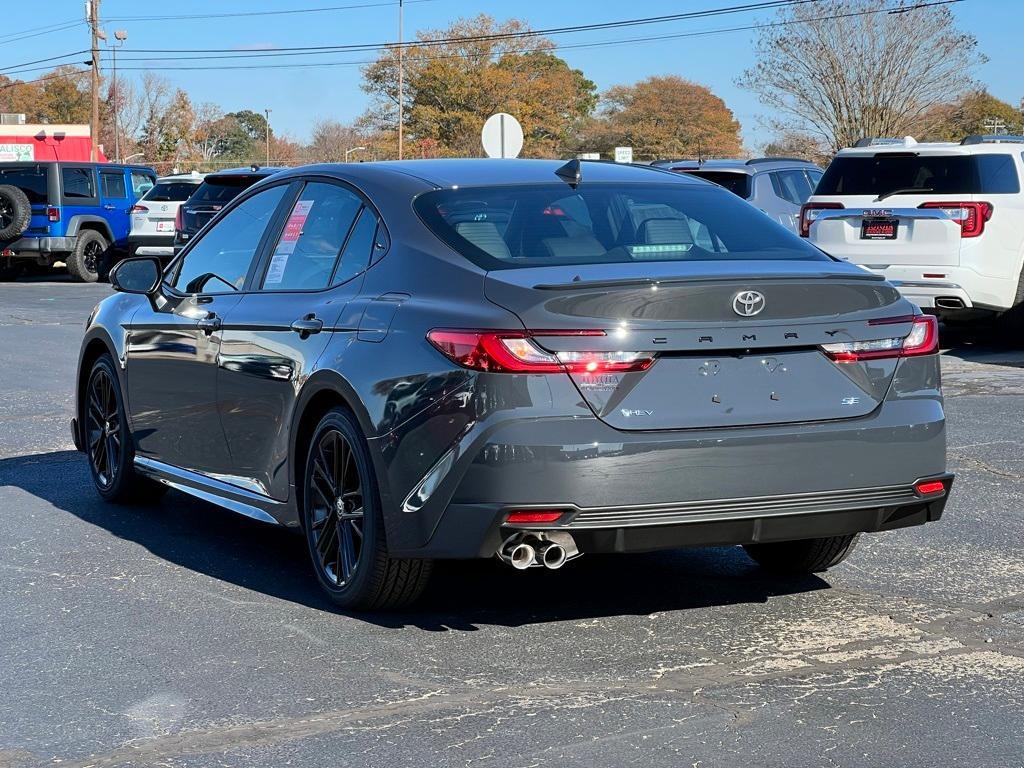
<point x="151" y="245"/>
<point x="478" y="531"/>
<point x="973" y="290"/>
<point x="700" y="486"/>
<point x="32" y="247"/>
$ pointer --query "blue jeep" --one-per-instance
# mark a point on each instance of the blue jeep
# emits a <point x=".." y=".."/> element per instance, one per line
<point x="73" y="212"/>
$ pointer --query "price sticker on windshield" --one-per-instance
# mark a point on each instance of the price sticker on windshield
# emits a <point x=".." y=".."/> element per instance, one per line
<point x="289" y="238"/>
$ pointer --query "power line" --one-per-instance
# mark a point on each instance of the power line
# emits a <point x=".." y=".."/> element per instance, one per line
<point x="757" y="6"/>
<point x="37" y="61"/>
<point x="573" y="46"/>
<point x="29" y="33"/>
<point x="242" y="14"/>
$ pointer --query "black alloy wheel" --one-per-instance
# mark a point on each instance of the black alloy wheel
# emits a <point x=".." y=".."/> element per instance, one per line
<point x="344" y="523"/>
<point x="103" y="428"/>
<point x="92" y="253"/>
<point x="334" y="494"/>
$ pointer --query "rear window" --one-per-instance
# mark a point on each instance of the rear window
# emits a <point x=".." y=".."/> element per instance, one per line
<point x="224" y="189"/>
<point x="551" y="224"/>
<point x="171" y="191"/>
<point x="737" y="183"/>
<point x="31" y="181"/>
<point x="939" y="174"/>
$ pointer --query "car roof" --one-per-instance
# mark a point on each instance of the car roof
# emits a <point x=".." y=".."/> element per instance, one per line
<point x="195" y="176"/>
<point x="481" y="172"/>
<point x="749" y="167"/>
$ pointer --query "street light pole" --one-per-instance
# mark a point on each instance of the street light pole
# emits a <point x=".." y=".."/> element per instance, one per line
<point x="120" y="36"/>
<point x="401" y="78"/>
<point x="349" y="151"/>
<point x="267" y="113"/>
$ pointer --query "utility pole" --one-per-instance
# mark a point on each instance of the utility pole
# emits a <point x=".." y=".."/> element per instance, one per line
<point x="267" y="113"/>
<point x="994" y="125"/>
<point x="93" y="12"/>
<point x="401" y="78"/>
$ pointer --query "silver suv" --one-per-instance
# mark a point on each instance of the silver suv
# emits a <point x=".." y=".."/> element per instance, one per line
<point x="776" y="185"/>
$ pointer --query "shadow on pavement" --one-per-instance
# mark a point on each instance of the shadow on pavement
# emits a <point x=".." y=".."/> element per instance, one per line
<point x="462" y="596"/>
<point x="983" y="342"/>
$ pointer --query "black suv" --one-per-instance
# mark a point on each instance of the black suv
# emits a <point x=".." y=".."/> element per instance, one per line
<point x="216" y="191"/>
<point x="73" y="212"/>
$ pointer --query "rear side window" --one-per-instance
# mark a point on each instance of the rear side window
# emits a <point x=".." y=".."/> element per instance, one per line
<point x="113" y="184"/>
<point x="737" y="183"/>
<point x="313" y="236"/>
<point x="792" y="186"/>
<point x="78" y="183"/>
<point x="141" y="183"/>
<point x="931" y="174"/>
<point x="543" y="224"/>
<point x="31" y="181"/>
<point x="171" y="191"/>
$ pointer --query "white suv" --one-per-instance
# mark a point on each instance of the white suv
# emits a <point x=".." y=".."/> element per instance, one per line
<point x="944" y="222"/>
<point x="154" y="216"/>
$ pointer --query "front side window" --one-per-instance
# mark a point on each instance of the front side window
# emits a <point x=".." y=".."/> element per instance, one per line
<point x="533" y="225"/>
<point x="220" y="259"/>
<point x="78" y="183"/>
<point x="311" y="241"/>
<point x="113" y="185"/>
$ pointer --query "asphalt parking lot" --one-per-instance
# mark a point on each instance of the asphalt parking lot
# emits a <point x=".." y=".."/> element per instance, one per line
<point x="180" y="635"/>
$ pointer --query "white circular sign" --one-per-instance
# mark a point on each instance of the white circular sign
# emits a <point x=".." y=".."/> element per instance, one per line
<point x="502" y="136"/>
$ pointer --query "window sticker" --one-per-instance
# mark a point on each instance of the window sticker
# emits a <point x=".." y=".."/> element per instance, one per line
<point x="289" y="238"/>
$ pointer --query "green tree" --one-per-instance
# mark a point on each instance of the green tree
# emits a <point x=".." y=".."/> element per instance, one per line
<point x="970" y="114"/>
<point x="663" y="117"/>
<point x="452" y="87"/>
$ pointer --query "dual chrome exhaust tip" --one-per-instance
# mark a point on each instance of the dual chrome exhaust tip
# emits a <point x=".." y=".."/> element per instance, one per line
<point x="549" y="550"/>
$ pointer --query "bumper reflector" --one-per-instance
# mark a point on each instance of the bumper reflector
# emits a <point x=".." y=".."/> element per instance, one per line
<point x="930" y="487"/>
<point x="533" y="516"/>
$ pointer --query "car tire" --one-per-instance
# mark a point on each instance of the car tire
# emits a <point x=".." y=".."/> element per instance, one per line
<point x="344" y="524"/>
<point x="107" y="440"/>
<point x="87" y="262"/>
<point x="15" y="212"/>
<point x="804" y="556"/>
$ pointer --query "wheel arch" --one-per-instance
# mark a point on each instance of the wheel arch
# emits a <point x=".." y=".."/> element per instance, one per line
<point x="94" y="347"/>
<point x="323" y="391"/>
<point x="84" y="221"/>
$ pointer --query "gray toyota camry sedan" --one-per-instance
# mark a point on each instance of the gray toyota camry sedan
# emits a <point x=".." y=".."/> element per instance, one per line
<point x="523" y="359"/>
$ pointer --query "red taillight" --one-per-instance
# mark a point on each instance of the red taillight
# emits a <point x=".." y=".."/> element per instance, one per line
<point x="972" y="216"/>
<point x="177" y="220"/>
<point x="516" y="352"/>
<point x="139" y="209"/>
<point x="923" y="339"/>
<point x="808" y="213"/>
<point x="534" y="516"/>
<point x="53" y="213"/>
<point x="929" y="487"/>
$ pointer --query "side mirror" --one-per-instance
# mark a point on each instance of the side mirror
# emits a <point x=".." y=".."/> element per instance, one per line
<point x="139" y="275"/>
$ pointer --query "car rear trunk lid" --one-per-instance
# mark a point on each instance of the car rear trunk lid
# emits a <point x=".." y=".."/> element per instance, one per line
<point x="714" y="366"/>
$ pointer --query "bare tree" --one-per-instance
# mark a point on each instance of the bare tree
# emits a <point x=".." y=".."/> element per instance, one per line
<point x="843" y="69"/>
<point x="330" y="139"/>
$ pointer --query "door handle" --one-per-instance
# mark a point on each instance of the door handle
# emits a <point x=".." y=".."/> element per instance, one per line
<point x="209" y="324"/>
<point x="307" y="325"/>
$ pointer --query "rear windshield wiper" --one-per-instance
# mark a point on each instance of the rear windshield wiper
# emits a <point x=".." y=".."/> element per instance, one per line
<point x="903" y="191"/>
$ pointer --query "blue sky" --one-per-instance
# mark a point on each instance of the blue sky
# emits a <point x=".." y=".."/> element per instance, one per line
<point x="298" y="97"/>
